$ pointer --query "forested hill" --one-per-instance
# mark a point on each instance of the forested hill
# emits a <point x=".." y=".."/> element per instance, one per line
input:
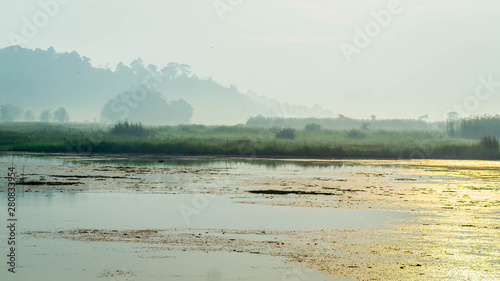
<point x="39" y="80"/>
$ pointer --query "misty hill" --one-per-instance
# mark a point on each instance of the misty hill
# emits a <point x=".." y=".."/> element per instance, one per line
<point x="39" y="80"/>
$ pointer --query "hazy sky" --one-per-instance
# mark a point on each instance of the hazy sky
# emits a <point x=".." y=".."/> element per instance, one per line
<point x="424" y="60"/>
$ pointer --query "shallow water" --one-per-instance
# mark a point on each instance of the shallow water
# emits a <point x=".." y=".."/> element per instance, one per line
<point x="172" y="162"/>
<point x="377" y="221"/>
<point x="49" y="259"/>
<point x="47" y="210"/>
<point x="54" y="260"/>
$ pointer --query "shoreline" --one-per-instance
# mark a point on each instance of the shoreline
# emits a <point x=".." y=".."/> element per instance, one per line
<point x="258" y="156"/>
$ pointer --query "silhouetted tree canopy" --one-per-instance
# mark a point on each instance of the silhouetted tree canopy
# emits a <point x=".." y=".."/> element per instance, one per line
<point x="37" y="78"/>
<point x="312" y="127"/>
<point x="340" y="123"/>
<point x="29" y="116"/>
<point x="476" y="127"/>
<point x="286" y="133"/>
<point x="142" y="105"/>
<point x="61" y="115"/>
<point x="46" y="116"/>
<point x="9" y="112"/>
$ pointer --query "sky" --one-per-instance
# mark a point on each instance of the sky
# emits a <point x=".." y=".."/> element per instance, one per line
<point x="389" y="58"/>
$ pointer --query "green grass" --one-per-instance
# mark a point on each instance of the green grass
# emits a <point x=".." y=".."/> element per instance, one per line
<point x="241" y="141"/>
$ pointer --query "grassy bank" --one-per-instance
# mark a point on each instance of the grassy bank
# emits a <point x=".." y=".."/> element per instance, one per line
<point x="243" y="141"/>
<point x="265" y="149"/>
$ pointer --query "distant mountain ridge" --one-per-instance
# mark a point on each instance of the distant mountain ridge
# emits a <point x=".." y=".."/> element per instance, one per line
<point x="45" y="79"/>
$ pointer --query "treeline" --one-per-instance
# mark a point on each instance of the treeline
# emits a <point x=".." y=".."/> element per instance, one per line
<point x="177" y="96"/>
<point x="246" y="148"/>
<point x="344" y="123"/>
<point x="479" y="126"/>
<point x="474" y="127"/>
<point x="12" y="113"/>
<point x="313" y="142"/>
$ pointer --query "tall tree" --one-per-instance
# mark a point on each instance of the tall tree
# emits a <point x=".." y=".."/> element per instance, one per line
<point x="10" y="112"/>
<point x="46" y="116"/>
<point x="143" y="105"/>
<point x="29" y="116"/>
<point x="61" y="115"/>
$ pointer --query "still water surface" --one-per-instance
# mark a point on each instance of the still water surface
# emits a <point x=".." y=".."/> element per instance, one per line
<point x="58" y="259"/>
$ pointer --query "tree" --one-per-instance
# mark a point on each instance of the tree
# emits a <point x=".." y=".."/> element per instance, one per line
<point x="145" y="106"/>
<point x="475" y="127"/>
<point x="178" y="112"/>
<point x="171" y="70"/>
<point x="424" y="117"/>
<point x="61" y="115"/>
<point x="29" y="116"/>
<point x="10" y="112"/>
<point x="355" y="134"/>
<point x="489" y="142"/>
<point x="46" y="116"/>
<point x="453" y="116"/>
<point x="312" y="127"/>
<point x="185" y="69"/>
<point x="452" y="124"/>
<point x="287" y="133"/>
<point x="137" y="65"/>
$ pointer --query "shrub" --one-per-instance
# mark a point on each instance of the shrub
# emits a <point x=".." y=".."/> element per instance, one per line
<point x="129" y="129"/>
<point x="355" y="134"/>
<point x="312" y="127"/>
<point x="365" y="126"/>
<point x="192" y="128"/>
<point x="489" y="142"/>
<point x="287" y="133"/>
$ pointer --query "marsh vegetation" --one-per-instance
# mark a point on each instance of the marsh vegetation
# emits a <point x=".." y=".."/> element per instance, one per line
<point x="312" y="140"/>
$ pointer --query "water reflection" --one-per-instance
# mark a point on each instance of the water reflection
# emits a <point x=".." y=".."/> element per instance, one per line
<point x="181" y="162"/>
